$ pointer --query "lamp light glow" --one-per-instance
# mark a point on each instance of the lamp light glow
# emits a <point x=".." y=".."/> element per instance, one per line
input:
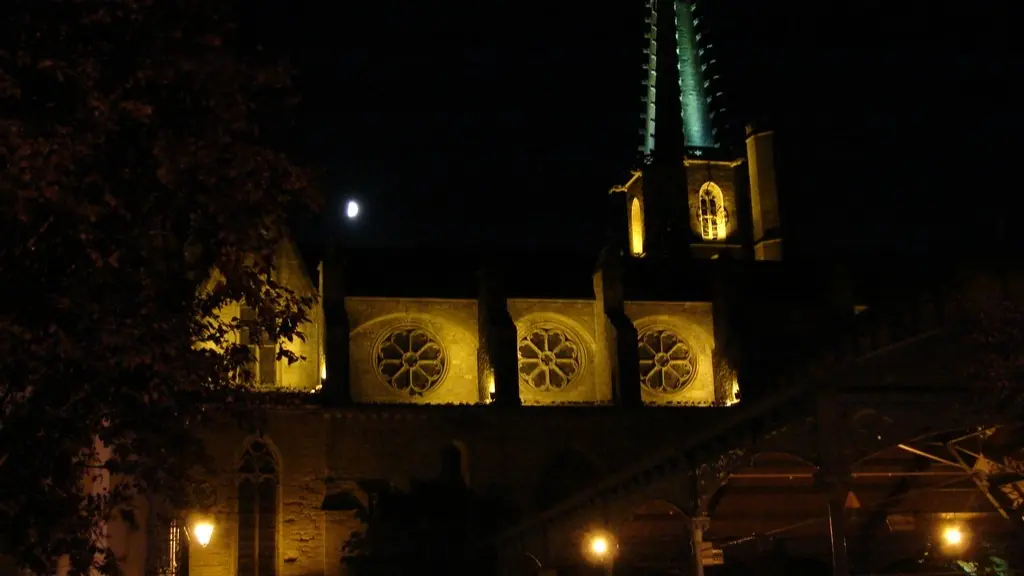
<point x="599" y="547"/>
<point x="203" y="531"/>
<point x="952" y="536"/>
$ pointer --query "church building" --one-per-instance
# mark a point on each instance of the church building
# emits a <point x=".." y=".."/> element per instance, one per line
<point x="418" y="367"/>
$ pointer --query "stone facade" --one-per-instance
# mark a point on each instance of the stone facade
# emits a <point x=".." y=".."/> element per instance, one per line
<point x="359" y="429"/>
<point x="329" y="451"/>
<point x="407" y="361"/>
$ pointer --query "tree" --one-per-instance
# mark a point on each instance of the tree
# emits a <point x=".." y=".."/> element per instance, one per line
<point x="135" y="161"/>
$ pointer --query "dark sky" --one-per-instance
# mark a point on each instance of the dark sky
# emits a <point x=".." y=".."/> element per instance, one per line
<point x="507" y="122"/>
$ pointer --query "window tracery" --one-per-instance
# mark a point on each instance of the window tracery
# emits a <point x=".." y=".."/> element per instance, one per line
<point x="711" y="212"/>
<point x="549" y="359"/>
<point x="411" y="360"/>
<point x="257" y="512"/>
<point x="667" y="363"/>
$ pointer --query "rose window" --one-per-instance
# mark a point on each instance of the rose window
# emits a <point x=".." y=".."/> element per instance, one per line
<point x="548" y="359"/>
<point x="411" y="360"/>
<point x="667" y="364"/>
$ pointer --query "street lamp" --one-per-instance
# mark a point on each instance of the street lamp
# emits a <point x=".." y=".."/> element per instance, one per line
<point x="599" y="547"/>
<point x="202" y="530"/>
<point x="954" y="537"/>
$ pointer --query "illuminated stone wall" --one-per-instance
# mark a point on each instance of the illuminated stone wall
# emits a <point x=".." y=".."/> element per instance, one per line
<point x="297" y="440"/>
<point x="438" y="364"/>
<point x="301" y="376"/>
<point x="325" y="454"/>
<point x="562" y="332"/>
<point x="425" y="351"/>
<point x="677" y="347"/>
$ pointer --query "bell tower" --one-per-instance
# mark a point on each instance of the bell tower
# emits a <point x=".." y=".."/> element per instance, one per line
<point x="696" y="194"/>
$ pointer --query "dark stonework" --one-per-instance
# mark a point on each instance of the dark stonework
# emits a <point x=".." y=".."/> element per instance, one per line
<point x="727" y="338"/>
<point x="620" y="331"/>
<point x="496" y="355"/>
<point x="618" y="222"/>
<point x="337" y="388"/>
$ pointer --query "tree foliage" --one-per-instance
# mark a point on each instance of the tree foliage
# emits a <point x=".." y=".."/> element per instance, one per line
<point x="135" y="161"/>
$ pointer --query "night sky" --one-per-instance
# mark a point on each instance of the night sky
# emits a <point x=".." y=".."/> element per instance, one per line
<point x="506" y="123"/>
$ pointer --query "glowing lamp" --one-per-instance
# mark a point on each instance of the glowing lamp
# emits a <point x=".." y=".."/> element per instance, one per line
<point x="952" y="535"/>
<point x="599" y="547"/>
<point x="203" y="531"/>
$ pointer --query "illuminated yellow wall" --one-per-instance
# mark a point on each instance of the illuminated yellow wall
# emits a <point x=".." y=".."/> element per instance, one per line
<point x="303" y="375"/>
<point x="576" y="369"/>
<point x="450" y="324"/>
<point x="575" y="319"/>
<point x="291" y="272"/>
<point x="692" y="322"/>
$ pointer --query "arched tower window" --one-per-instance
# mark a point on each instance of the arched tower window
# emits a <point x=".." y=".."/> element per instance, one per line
<point x="636" y="228"/>
<point x="712" y="213"/>
<point x="257" y="511"/>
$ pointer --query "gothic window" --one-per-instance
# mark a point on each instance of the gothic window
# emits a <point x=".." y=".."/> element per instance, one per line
<point x="454" y="467"/>
<point x="168" y="550"/>
<point x="257" y="512"/>
<point x="411" y="360"/>
<point x="713" y="217"/>
<point x="264" y="351"/>
<point x="548" y="359"/>
<point x="667" y="364"/>
<point x="636" y="228"/>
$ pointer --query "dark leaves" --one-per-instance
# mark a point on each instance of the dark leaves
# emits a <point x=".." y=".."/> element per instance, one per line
<point x="131" y="169"/>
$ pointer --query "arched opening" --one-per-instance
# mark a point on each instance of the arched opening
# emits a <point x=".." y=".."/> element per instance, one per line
<point x="568" y="473"/>
<point x="455" y="463"/>
<point x="636" y="228"/>
<point x="166" y="540"/>
<point x="257" y="511"/>
<point x="712" y="213"/>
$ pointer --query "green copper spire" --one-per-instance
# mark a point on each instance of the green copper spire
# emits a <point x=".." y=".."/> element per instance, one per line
<point x="680" y="29"/>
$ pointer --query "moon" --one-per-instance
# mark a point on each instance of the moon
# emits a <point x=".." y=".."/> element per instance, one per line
<point x="352" y="209"/>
